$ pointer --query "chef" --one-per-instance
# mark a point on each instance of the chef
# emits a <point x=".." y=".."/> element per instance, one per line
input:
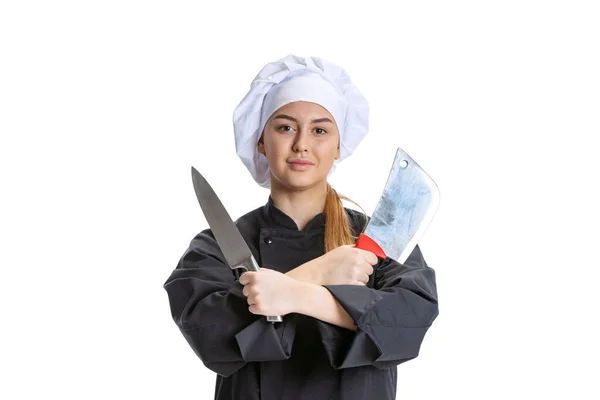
<point x="349" y="318"/>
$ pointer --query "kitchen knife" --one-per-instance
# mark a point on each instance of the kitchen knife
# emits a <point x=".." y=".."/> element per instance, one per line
<point x="228" y="237"/>
<point x="404" y="211"/>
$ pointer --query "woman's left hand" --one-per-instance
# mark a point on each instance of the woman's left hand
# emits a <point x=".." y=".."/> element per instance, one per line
<point x="271" y="293"/>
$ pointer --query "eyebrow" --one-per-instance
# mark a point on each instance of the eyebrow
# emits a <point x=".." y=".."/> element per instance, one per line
<point x="314" y="121"/>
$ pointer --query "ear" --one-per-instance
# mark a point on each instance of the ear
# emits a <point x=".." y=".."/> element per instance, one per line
<point x="261" y="146"/>
<point x="337" y="153"/>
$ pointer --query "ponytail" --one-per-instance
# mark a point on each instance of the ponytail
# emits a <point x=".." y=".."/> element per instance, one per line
<point x="338" y="231"/>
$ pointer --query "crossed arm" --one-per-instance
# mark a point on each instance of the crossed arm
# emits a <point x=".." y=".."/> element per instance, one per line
<point x="304" y="290"/>
<point x="392" y="315"/>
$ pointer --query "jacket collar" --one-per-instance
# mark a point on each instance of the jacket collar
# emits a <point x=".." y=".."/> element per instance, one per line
<point x="279" y="219"/>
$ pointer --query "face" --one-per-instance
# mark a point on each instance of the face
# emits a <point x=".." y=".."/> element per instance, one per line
<point x="301" y="142"/>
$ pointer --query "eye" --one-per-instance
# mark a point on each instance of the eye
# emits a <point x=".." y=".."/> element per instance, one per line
<point x="321" y="131"/>
<point x="283" y="128"/>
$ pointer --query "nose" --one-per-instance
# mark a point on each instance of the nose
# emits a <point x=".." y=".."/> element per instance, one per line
<point x="301" y="143"/>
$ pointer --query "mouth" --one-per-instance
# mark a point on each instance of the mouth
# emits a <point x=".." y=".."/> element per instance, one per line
<point x="300" y="164"/>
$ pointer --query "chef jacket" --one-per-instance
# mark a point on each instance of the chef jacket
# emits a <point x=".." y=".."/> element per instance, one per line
<point x="301" y="357"/>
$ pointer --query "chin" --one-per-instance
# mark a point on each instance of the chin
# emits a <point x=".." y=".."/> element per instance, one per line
<point x="299" y="182"/>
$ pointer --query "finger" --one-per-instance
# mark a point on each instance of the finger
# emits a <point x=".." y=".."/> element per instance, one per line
<point x="246" y="291"/>
<point x="246" y="278"/>
<point x="365" y="279"/>
<point x="254" y="309"/>
<point x="371" y="258"/>
<point x="368" y="256"/>
<point x="364" y="268"/>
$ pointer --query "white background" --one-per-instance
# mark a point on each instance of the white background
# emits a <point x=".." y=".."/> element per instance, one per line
<point x="105" y="106"/>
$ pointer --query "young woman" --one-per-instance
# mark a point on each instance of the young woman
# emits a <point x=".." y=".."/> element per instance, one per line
<point x="348" y="318"/>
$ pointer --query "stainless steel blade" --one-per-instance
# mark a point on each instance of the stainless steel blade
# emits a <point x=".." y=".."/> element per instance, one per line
<point x="230" y="240"/>
<point x="408" y="204"/>
<point x="228" y="237"/>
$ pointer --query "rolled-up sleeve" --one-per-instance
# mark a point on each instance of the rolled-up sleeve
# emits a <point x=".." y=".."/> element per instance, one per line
<point x="208" y="306"/>
<point x="392" y="317"/>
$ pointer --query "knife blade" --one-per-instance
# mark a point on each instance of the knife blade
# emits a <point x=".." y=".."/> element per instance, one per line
<point x="404" y="211"/>
<point x="230" y="240"/>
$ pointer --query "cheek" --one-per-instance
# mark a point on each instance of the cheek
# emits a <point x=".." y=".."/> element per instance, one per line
<point x="274" y="149"/>
<point x="329" y="151"/>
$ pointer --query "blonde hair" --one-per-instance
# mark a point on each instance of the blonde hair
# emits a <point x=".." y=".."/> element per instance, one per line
<point x="338" y="231"/>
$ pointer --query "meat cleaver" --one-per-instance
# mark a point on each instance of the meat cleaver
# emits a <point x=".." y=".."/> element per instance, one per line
<point x="230" y="240"/>
<point x="409" y="201"/>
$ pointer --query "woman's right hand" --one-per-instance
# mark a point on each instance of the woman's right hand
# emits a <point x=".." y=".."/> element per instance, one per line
<point x="346" y="265"/>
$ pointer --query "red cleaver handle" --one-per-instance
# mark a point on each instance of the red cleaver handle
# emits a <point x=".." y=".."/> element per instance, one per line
<point x="366" y="243"/>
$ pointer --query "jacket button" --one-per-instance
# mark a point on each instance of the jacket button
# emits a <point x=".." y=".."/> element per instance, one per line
<point x="268" y="240"/>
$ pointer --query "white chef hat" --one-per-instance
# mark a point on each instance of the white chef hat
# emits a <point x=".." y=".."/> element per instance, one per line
<point x="293" y="79"/>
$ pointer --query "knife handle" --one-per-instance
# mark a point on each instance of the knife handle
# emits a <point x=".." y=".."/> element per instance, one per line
<point x="250" y="264"/>
<point x="366" y="243"/>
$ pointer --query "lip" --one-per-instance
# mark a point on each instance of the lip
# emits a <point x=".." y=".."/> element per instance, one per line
<point x="300" y="161"/>
<point x="300" y="165"/>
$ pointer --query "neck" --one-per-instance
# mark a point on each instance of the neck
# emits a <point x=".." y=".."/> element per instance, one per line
<point x="300" y="205"/>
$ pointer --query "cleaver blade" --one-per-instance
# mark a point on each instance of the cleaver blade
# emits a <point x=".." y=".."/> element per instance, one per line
<point x="409" y="202"/>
